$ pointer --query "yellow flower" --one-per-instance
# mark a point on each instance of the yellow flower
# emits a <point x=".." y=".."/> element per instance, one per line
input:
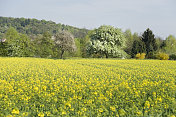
<point x="84" y="109"/>
<point x="78" y="86"/>
<point x="147" y="105"/>
<point x="64" y="112"/>
<point x="100" y="110"/>
<point x="139" y="113"/>
<point x="15" y="111"/>
<point x="165" y="106"/>
<point x="79" y="97"/>
<point x="36" y="88"/>
<point x="41" y="114"/>
<point x="9" y="116"/>
<point x="122" y="112"/>
<point x="154" y="94"/>
<point x="48" y="113"/>
<point x="159" y="99"/>
<point x="25" y="113"/>
<point x="112" y="108"/>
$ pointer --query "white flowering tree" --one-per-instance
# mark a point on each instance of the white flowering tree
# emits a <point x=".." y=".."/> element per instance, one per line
<point x="65" y="42"/>
<point x="108" y="41"/>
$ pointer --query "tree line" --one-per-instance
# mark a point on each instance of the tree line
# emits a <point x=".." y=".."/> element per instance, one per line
<point x="107" y="41"/>
<point x="16" y="44"/>
<point x="103" y="42"/>
<point x="33" y="27"/>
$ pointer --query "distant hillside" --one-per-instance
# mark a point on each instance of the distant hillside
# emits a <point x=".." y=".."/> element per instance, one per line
<point x="34" y="26"/>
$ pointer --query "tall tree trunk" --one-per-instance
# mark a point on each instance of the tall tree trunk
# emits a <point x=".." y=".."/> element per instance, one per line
<point x="106" y="55"/>
<point x="62" y="54"/>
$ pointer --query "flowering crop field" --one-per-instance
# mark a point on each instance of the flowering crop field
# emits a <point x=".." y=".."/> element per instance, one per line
<point x="87" y="87"/>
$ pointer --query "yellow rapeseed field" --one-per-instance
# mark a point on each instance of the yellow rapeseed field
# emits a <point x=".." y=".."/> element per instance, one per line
<point x="87" y="87"/>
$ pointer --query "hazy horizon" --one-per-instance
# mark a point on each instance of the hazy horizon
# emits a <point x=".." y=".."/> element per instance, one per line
<point x="136" y="15"/>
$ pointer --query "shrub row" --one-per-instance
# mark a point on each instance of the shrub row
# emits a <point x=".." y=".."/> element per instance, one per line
<point x="160" y="56"/>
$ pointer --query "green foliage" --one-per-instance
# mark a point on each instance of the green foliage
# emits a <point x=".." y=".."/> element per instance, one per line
<point x="150" y="42"/>
<point x="26" y="46"/>
<point x="170" y="45"/>
<point x="3" y="48"/>
<point x="45" y="46"/>
<point x="85" y="43"/>
<point x="160" y="43"/>
<point x="11" y="35"/>
<point x="78" y="52"/>
<point x="172" y="57"/>
<point x="138" y="47"/>
<point x="129" y="41"/>
<point x="162" y="56"/>
<point x="19" y="45"/>
<point x="34" y="27"/>
<point x="16" y="44"/>
<point x="140" y="56"/>
<point x="108" y="41"/>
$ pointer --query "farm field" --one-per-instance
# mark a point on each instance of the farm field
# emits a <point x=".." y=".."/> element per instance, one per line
<point x="87" y="87"/>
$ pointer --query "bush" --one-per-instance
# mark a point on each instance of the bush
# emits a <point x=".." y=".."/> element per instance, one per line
<point x="163" y="56"/>
<point x="172" y="57"/>
<point x="140" y="56"/>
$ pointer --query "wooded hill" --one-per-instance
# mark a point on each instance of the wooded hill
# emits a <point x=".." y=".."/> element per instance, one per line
<point x="34" y="27"/>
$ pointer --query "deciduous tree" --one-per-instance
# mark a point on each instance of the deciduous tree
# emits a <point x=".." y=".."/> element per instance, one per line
<point x="170" y="45"/>
<point x="108" y="41"/>
<point x="129" y="41"/>
<point x="18" y="44"/>
<point x="46" y="45"/>
<point x="65" y="42"/>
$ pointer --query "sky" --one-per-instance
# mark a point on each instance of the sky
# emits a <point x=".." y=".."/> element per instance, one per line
<point x="136" y="15"/>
